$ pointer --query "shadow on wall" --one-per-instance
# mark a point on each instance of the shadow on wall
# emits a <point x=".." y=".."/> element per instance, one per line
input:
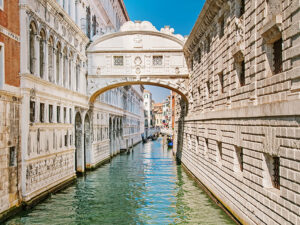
<point x="180" y="131"/>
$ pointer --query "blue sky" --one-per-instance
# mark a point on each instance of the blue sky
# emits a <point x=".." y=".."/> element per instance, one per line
<point x="180" y="15"/>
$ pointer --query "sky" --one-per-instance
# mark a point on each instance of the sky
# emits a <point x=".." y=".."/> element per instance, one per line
<point x="180" y="15"/>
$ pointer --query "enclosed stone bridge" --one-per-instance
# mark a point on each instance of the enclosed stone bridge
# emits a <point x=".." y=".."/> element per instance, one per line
<point x="137" y="54"/>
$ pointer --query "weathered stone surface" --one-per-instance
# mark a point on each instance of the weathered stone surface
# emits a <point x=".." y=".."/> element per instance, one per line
<point x="260" y="116"/>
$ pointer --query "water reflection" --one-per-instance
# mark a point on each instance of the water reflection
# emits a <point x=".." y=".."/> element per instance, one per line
<point x="144" y="187"/>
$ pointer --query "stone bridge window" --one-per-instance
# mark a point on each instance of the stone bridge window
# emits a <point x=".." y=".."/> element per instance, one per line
<point x="208" y="43"/>
<point x="42" y="112"/>
<point x="50" y="113"/>
<point x="199" y="55"/>
<point x="157" y="60"/>
<point x="32" y="112"/>
<point x="118" y="60"/>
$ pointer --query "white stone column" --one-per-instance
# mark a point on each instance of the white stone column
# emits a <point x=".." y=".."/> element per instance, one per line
<point x="61" y="70"/>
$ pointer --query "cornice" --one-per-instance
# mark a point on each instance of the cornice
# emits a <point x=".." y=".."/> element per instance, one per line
<point x="207" y="14"/>
<point x="142" y="32"/>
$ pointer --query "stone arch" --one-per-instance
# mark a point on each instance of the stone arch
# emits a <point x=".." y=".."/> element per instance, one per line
<point x="79" y="166"/>
<point x="101" y="90"/>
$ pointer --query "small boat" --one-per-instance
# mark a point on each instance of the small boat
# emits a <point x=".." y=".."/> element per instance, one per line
<point x="170" y="142"/>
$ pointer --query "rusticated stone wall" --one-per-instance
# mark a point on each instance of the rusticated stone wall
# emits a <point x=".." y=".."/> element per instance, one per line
<point x="241" y="134"/>
<point x="9" y="151"/>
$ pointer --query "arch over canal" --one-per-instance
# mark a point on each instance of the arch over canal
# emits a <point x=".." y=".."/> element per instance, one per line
<point x="137" y="54"/>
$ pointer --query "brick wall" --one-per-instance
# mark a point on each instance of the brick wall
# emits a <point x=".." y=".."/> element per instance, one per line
<point x="9" y="20"/>
<point x="259" y="116"/>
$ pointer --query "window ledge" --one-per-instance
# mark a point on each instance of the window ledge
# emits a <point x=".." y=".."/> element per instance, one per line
<point x="271" y="30"/>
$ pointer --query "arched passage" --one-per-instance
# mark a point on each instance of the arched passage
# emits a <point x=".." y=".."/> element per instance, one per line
<point x="120" y="84"/>
<point x="79" y="167"/>
<point x="87" y="142"/>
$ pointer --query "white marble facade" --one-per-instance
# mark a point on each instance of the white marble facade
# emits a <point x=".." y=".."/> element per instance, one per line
<point x="61" y="132"/>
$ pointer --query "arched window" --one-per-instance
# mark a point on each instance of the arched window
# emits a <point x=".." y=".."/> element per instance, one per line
<point x="94" y="25"/>
<point x="50" y="60"/>
<point x="65" y="66"/>
<point x="88" y="22"/>
<point x="77" y="74"/>
<point x="42" y="53"/>
<point x="32" y="30"/>
<point x="58" y="55"/>
<point x="70" y="70"/>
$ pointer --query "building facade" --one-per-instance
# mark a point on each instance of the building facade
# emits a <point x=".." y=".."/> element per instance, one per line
<point x="148" y="106"/>
<point x="158" y="114"/>
<point x="10" y="101"/>
<point x="53" y="131"/>
<point x="241" y="134"/>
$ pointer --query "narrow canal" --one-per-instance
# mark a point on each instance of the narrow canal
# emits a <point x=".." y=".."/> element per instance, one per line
<point x="143" y="187"/>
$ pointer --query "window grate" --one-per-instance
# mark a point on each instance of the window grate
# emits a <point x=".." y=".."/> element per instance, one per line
<point x="157" y="60"/>
<point x="277" y="48"/>
<point x="242" y="75"/>
<point x="118" y="60"/>
<point x="276" y="175"/>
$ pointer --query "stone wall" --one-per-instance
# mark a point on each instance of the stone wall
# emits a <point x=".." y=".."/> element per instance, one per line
<point x="241" y="134"/>
<point x="9" y="151"/>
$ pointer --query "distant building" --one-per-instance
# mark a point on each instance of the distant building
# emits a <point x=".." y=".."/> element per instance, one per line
<point x="158" y="114"/>
<point x="167" y="112"/>
<point x="149" y="123"/>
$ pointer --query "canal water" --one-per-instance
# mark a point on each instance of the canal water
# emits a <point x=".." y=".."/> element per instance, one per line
<point x="143" y="187"/>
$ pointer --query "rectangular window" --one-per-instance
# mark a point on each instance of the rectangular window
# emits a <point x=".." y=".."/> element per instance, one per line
<point x="118" y="60"/>
<point x="12" y="156"/>
<point x="157" y="60"/>
<point x="50" y="113"/>
<point x="207" y="89"/>
<point x="276" y="175"/>
<point x="70" y="115"/>
<point x="58" y="114"/>
<point x="241" y="73"/>
<point x="277" y="51"/>
<point x="66" y="140"/>
<point x="242" y="7"/>
<point x="42" y="112"/>
<point x="1" y="64"/>
<point x="221" y="81"/>
<point x="222" y="26"/>
<point x="192" y="64"/>
<point x="32" y="111"/>
<point x="199" y="55"/>
<point x="65" y="114"/>
<point x="208" y="42"/>
<point x="239" y="165"/>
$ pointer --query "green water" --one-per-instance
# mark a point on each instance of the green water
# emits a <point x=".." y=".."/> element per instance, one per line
<point x="144" y="187"/>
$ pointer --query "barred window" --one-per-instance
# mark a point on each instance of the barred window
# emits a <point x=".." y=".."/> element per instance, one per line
<point x="276" y="175"/>
<point x="277" y="51"/>
<point x="222" y="26"/>
<point x="157" y="60"/>
<point x="118" y="60"/>
<point x="221" y="80"/>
